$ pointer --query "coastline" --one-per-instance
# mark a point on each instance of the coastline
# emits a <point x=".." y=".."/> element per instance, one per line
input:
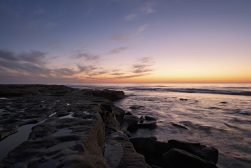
<point x="83" y="128"/>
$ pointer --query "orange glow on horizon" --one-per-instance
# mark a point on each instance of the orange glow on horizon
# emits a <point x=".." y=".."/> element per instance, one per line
<point x="155" y="79"/>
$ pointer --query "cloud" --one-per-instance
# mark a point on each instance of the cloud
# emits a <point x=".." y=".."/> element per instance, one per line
<point x="34" y="64"/>
<point x="118" y="74"/>
<point x="141" y="68"/>
<point x="88" y="69"/>
<point x="34" y="67"/>
<point x="128" y="36"/>
<point x="142" y="28"/>
<point x="64" y="72"/>
<point x="36" y="57"/>
<point x="117" y="50"/>
<point x="131" y="17"/>
<point x="144" y="65"/>
<point x="147" y="8"/>
<point x="145" y="60"/>
<point x="86" y="56"/>
<point x="27" y="63"/>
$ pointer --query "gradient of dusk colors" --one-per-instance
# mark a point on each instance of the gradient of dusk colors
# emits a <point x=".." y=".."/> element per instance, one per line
<point x="79" y="41"/>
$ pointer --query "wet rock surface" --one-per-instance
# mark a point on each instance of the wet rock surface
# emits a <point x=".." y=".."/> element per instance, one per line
<point x="57" y="126"/>
<point x="132" y="123"/>
<point x="67" y="128"/>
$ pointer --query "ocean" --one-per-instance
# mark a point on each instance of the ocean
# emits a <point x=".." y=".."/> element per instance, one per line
<point x="217" y="115"/>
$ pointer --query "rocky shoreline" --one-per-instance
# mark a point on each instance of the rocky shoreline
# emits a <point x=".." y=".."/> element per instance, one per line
<point x="51" y="126"/>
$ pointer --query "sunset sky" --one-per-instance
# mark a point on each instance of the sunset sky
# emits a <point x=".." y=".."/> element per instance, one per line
<point x="80" y="41"/>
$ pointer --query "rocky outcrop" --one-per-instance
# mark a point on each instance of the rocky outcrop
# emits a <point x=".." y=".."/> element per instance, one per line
<point x="176" y="154"/>
<point x="177" y="158"/>
<point x="60" y="127"/>
<point x="111" y="95"/>
<point x="70" y="128"/>
<point x="132" y="123"/>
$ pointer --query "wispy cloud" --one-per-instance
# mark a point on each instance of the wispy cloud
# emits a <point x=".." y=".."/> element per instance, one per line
<point x="143" y="66"/>
<point x="34" y="66"/>
<point x="142" y="28"/>
<point x="28" y="63"/>
<point x="36" y="57"/>
<point x="86" y="56"/>
<point x="128" y="36"/>
<point x="117" y="50"/>
<point x="131" y="16"/>
<point x="146" y="8"/>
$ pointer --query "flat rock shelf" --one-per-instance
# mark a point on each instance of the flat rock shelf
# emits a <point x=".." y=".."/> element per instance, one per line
<point x="54" y="126"/>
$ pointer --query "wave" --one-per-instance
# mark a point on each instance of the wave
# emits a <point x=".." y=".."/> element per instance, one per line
<point x="194" y="90"/>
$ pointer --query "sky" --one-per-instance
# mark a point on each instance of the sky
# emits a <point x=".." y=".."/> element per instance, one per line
<point x="125" y="41"/>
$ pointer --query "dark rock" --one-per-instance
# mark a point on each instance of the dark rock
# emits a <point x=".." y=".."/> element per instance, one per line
<point x="133" y="123"/>
<point x="33" y="121"/>
<point x="40" y="131"/>
<point x="149" y="146"/>
<point x="70" y="128"/>
<point x="78" y="147"/>
<point x="128" y="113"/>
<point x="208" y="153"/>
<point x="182" y="99"/>
<point x="120" y="153"/>
<point x="141" y="119"/>
<point x="147" y="124"/>
<point x="150" y="118"/>
<point x="130" y="122"/>
<point x="136" y="107"/>
<point x="29" y="90"/>
<point x="109" y="116"/>
<point x="62" y="113"/>
<point x="177" y="158"/>
<point x="107" y="94"/>
<point x="153" y="150"/>
<point x="67" y="138"/>
<point x="119" y="113"/>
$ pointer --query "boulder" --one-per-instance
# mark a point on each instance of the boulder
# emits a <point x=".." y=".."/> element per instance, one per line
<point x="130" y="122"/>
<point x="119" y="113"/>
<point x="149" y="146"/>
<point x="128" y="113"/>
<point x="148" y="122"/>
<point x="133" y="123"/>
<point x="208" y="153"/>
<point x="156" y="152"/>
<point x="120" y="153"/>
<point x="177" y="158"/>
<point x="150" y="118"/>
